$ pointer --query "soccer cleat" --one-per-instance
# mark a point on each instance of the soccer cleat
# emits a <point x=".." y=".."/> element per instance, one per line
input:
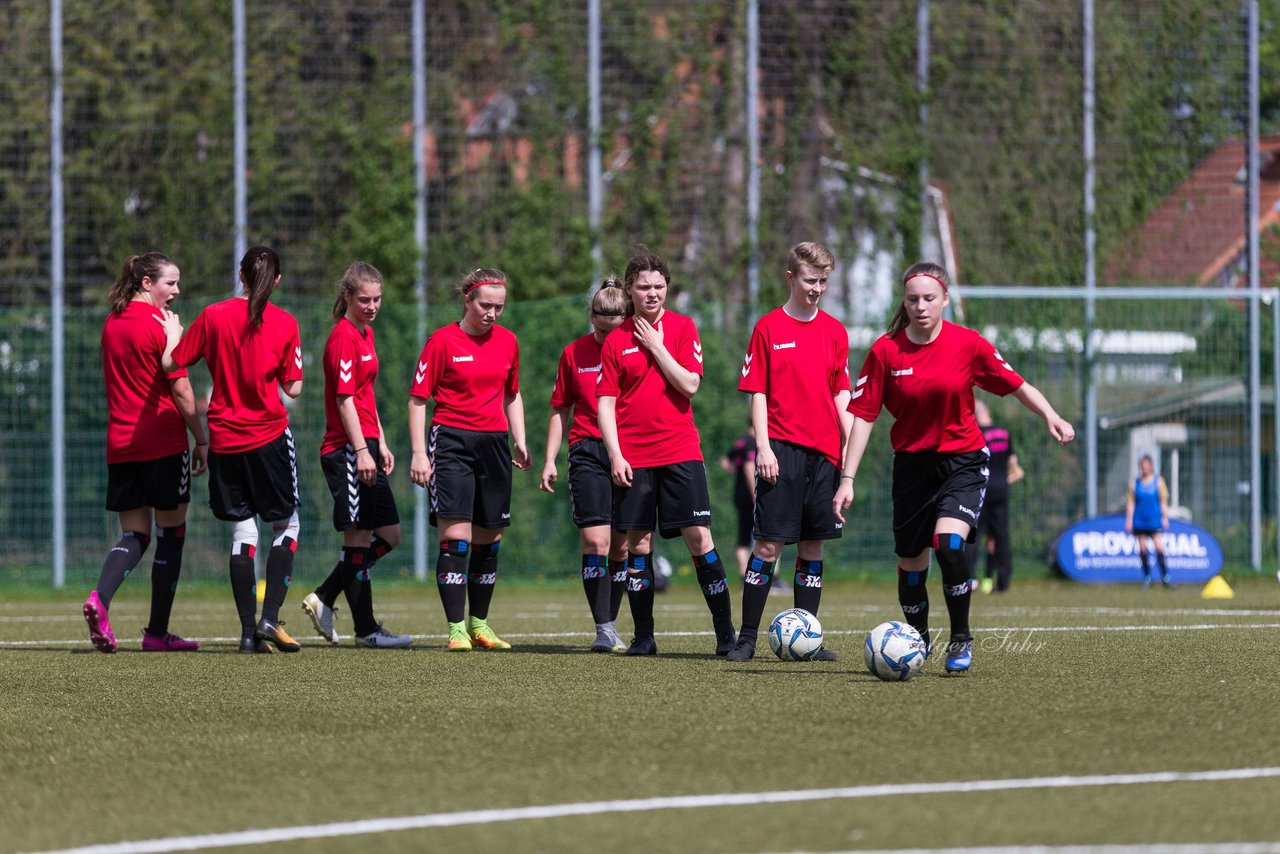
<point x="383" y="639"/>
<point x="823" y="654"/>
<point x="643" y="645"/>
<point x="725" y="639"/>
<point x="167" y="642"/>
<point x="459" y="640"/>
<point x="1146" y="581"/>
<point x="616" y="641"/>
<point x="251" y="644"/>
<point x="1166" y="580"/>
<point x="959" y="656"/>
<point x="482" y="637"/>
<point x="602" y="643"/>
<point x="986" y="585"/>
<point x="743" y="650"/>
<point x="321" y="617"/>
<point x="275" y="634"/>
<point x="95" y="614"/>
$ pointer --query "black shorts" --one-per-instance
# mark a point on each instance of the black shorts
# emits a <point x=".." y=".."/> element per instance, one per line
<point x="162" y="484"/>
<point x="590" y="483"/>
<point x="928" y="486"/>
<point x="1137" y="532"/>
<point x="798" y="507"/>
<point x="356" y="505"/>
<point x="259" y="482"/>
<point x="676" y="494"/>
<point x="470" y="476"/>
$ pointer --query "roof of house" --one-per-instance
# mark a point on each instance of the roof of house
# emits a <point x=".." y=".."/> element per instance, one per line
<point x="1197" y="234"/>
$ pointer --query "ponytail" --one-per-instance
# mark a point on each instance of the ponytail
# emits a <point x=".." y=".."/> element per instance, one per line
<point x="356" y="275"/>
<point x="937" y="272"/>
<point x="129" y="283"/>
<point x="259" y="270"/>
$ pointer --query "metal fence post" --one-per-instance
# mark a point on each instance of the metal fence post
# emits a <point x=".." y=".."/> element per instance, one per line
<point x="57" y="284"/>
<point x="419" y="36"/>
<point x="1090" y="273"/>
<point x="1255" y="304"/>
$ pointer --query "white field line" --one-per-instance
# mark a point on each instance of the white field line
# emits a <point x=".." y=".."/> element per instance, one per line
<point x="364" y="827"/>
<point x="1154" y="848"/>
<point x="993" y="630"/>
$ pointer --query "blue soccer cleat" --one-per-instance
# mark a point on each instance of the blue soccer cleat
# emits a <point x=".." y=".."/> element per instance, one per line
<point x="959" y="656"/>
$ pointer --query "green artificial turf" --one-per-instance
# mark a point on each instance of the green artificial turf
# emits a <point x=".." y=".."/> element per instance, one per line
<point x="1067" y="681"/>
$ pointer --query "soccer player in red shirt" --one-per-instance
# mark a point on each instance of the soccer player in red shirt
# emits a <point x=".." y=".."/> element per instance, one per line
<point x="472" y="371"/>
<point x="356" y="462"/>
<point x="797" y="373"/>
<point x="253" y="352"/>
<point x="149" y="468"/>
<point x="604" y="550"/>
<point x="650" y="369"/>
<point x="923" y="371"/>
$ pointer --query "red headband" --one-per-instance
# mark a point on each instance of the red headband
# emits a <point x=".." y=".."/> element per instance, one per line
<point x="482" y="283"/>
<point x="906" y="279"/>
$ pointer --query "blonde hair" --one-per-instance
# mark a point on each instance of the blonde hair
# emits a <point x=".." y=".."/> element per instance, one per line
<point x="356" y="275"/>
<point x="611" y="298"/>
<point x="900" y="319"/>
<point x="814" y="254"/>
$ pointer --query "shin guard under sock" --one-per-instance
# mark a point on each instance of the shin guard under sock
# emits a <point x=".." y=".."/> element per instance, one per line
<point x="165" y="571"/>
<point x="640" y="593"/>
<point x="120" y="561"/>
<point x="482" y="576"/>
<point x="242" y="589"/>
<point x="913" y="596"/>
<point x="957" y="586"/>
<point x="617" y="587"/>
<point x="755" y="594"/>
<point x="715" y="589"/>
<point x="808" y="586"/>
<point x="596" y="584"/>
<point x="451" y="578"/>
<point x="279" y="577"/>
<point x="360" y="589"/>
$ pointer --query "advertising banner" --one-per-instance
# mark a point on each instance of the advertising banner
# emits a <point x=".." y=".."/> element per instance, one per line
<point x="1100" y="551"/>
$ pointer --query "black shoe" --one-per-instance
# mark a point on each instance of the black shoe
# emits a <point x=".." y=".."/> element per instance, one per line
<point x="824" y="654"/>
<point x="643" y="645"/>
<point x="274" y="633"/>
<point x="725" y="639"/>
<point x="249" y="644"/>
<point x="743" y="650"/>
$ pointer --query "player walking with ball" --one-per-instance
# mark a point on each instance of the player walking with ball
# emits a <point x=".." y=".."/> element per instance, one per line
<point x="797" y="373"/>
<point x="923" y="370"/>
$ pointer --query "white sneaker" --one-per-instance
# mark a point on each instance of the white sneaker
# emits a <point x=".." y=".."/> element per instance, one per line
<point x="619" y="645"/>
<point x="321" y="617"/>
<point x="383" y="639"/>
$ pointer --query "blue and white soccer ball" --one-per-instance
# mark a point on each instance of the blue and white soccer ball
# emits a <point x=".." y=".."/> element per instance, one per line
<point x="795" y="635"/>
<point x="894" y="651"/>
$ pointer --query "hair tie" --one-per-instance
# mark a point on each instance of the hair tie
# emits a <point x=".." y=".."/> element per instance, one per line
<point x="906" y="279"/>
<point x="482" y="283"/>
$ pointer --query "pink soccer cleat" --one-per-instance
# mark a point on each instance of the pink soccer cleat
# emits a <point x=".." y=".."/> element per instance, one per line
<point x="167" y="642"/>
<point x="95" y="614"/>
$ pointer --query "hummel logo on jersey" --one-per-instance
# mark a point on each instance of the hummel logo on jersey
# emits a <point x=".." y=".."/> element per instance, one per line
<point x="457" y="359"/>
<point x="702" y="512"/>
<point x="1004" y="364"/>
<point x="630" y="350"/>
<point x="594" y="369"/>
<point x="971" y="514"/>
<point x="367" y="357"/>
<point x="297" y="357"/>
<point x="858" y="387"/>
<point x="344" y="370"/>
<point x="746" y="365"/>
<point x="422" y="372"/>
<point x="790" y="345"/>
<point x="697" y="351"/>
<point x="905" y="372"/>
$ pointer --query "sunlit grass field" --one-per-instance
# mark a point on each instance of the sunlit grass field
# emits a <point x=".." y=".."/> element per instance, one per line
<point x="1072" y="686"/>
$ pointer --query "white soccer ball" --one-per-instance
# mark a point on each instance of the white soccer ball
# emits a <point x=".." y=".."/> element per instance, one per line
<point x="894" y="651"/>
<point x="795" y="635"/>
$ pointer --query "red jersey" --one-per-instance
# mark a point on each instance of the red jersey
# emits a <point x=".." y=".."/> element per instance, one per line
<point x="350" y="367"/>
<point x="799" y="366"/>
<point x="655" y="421"/>
<point x="928" y="388"/>
<point x="576" y="387"/>
<point x="143" y="422"/>
<point x="469" y="377"/>
<point x="247" y="365"/>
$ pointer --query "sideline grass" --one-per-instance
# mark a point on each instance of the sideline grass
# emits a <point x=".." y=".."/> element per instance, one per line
<point x="1068" y="680"/>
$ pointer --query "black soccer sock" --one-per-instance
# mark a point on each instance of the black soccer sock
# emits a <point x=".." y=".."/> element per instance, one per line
<point x="808" y="586"/>
<point x="360" y="589"/>
<point x="165" y="571"/>
<point x="957" y="586"/>
<point x="640" y="593"/>
<point x="120" y="561"/>
<point x="617" y="587"/>
<point x="351" y="559"/>
<point x="332" y="585"/>
<point x="913" y="596"/>
<point x="597" y="583"/>
<point x="1146" y="563"/>
<point x="451" y="578"/>
<point x="482" y="577"/>
<point x="1160" y="562"/>
<point x="279" y="577"/>
<point x="243" y="586"/>
<point x="755" y="594"/>
<point x="715" y="589"/>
